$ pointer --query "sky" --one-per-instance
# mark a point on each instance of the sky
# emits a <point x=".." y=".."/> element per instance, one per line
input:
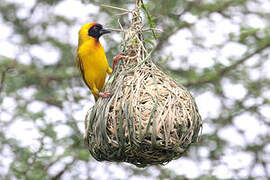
<point x="26" y="132"/>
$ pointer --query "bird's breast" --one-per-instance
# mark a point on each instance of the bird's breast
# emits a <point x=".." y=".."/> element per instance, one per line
<point x="94" y="63"/>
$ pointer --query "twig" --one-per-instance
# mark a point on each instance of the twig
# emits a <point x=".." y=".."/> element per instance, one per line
<point x="60" y="173"/>
<point x="149" y="19"/>
<point x="225" y="70"/>
<point x="138" y="4"/>
<point x="151" y="29"/>
<point x="113" y="7"/>
<point x="114" y="29"/>
<point x="121" y="14"/>
<point x="168" y="32"/>
<point x="120" y="24"/>
<point x="3" y="75"/>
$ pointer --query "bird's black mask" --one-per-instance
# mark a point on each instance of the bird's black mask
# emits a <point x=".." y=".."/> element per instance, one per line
<point x="96" y="31"/>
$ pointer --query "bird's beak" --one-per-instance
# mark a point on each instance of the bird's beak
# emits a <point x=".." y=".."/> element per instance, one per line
<point x="104" y="31"/>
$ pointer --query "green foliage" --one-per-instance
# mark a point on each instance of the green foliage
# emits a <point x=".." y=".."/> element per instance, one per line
<point x="51" y="96"/>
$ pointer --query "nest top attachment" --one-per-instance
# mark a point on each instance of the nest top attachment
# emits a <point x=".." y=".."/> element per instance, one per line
<point x="149" y="119"/>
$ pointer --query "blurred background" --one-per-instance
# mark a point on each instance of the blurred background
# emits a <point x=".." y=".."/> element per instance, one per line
<point x="218" y="49"/>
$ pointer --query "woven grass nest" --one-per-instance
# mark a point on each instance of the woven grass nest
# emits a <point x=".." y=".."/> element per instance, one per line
<point x="149" y="119"/>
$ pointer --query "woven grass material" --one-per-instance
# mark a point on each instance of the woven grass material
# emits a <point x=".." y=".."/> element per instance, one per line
<point x="149" y="119"/>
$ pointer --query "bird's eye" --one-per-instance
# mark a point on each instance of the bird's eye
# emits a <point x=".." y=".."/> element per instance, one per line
<point x="95" y="28"/>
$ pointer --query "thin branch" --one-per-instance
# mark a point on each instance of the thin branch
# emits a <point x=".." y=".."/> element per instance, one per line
<point x="117" y="8"/>
<point x="121" y="14"/>
<point x="120" y="25"/>
<point x="149" y="19"/>
<point x="60" y="173"/>
<point x="138" y="3"/>
<point x="227" y="69"/>
<point x="35" y="156"/>
<point x="152" y="29"/>
<point x="4" y="73"/>
<point x="114" y="29"/>
<point x="168" y="32"/>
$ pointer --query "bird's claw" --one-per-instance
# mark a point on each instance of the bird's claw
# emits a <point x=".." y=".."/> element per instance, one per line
<point x="104" y="94"/>
<point x="117" y="58"/>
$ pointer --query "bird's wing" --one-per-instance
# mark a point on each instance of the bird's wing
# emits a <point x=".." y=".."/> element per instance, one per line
<point x="80" y="67"/>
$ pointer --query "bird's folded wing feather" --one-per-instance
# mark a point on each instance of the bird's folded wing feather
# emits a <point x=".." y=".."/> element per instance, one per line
<point x="80" y="67"/>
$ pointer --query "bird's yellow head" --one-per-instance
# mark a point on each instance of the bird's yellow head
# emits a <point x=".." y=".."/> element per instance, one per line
<point x="91" y="31"/>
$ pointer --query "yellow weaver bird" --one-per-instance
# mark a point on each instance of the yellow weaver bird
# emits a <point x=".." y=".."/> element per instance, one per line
<point x="91" y="59"/>
<point x="92" y="62"/>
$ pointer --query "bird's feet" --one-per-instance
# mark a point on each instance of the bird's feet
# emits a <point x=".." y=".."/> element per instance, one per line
<point x="117" y="58"/>
<point x="104" y="94"/>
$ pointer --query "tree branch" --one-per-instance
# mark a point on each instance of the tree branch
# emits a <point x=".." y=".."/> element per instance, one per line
<point x="225" y="70"/>
<point x="60" y="173"/>
<point x="167" y="33"/>
<point x="4" y="73"/>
